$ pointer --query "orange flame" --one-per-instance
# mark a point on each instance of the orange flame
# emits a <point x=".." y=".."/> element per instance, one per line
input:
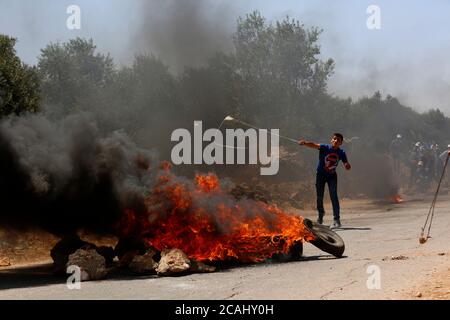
<point x="397" y="198"/>
<point x="210" y="225"/>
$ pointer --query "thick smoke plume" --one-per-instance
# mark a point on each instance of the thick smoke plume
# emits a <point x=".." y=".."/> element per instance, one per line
<point x="67" y="176"/>
<point x="185" y="33"/>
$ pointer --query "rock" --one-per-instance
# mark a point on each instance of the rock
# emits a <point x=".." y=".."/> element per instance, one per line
<point x="127" y="258"/>
<point x="441" y="254"/>
<point x="127" y="248"/>
<point x="5" y="262"/>
<point x="144" y="264"/>
<point x="419" y="294"/>
<point x="91" y="263"/>
<point x="69" y="244"/>
<point x="173" y="261"/>
<point x="107" y="253"/>
<point x="400" y="257"/>
<point x="200" y="267"/>
<point x="65" y="247"/>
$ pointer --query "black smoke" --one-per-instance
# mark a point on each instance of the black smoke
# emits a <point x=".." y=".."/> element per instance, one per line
<point x="185" y="33"/>
<point x="67" y="176"/>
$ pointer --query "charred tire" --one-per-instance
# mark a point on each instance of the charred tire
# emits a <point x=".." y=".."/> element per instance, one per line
<point x="326" y="239"/>
<point x="295" y="253"/>
<point x="296" y="250"/>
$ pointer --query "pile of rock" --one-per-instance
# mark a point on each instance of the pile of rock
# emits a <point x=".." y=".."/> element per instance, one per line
<point x="95" y="263"/>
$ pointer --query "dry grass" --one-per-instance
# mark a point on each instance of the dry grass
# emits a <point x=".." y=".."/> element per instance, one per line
<point x="33" y="246"/>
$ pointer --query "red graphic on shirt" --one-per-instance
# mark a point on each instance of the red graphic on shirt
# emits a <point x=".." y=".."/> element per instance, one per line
<point x="331" y="162"/>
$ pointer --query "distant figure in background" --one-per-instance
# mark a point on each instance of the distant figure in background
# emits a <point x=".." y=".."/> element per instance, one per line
<point x="435" y="161"/>
<point x="395" y="149"/>
<point x="443" y="157"/>
<point x="415" y="156"/>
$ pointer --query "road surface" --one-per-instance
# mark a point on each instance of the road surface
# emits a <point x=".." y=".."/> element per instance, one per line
<point x="381" y="239"/>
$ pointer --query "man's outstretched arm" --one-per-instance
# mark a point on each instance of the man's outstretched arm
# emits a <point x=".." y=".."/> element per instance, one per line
<point x="309" y="144"/>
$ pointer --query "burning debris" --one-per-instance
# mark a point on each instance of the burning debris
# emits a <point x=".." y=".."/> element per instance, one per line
<point x="184" y="226"/>
<point x="397" y="199"/>
<point x="209" y="224"/>
<point x="187" y="225"/>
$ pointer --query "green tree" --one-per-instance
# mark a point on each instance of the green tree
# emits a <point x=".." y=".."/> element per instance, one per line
<point x="147" y="93"/>
<point x="279" y="65"/>
<point x="286" y="51"/>
<point x="73" y="75"/>
<point x="19" y="83"/>
<point x="436" y="119"/>
<point x="210" y="93"/>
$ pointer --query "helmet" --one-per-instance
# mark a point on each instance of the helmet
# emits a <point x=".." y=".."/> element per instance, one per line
<point x="399" y="136"/>
<point x="417" y="144"/>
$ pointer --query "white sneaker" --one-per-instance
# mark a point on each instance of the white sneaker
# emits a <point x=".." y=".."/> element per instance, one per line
<point x="336" y="224"/>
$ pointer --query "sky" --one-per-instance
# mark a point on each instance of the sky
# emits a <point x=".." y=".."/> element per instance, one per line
<point x="406" y="58"/>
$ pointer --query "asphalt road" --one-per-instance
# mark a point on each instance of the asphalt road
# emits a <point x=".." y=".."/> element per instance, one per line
<point x="381" y="239"/>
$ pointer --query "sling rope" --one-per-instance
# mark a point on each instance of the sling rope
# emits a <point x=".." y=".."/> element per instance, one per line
<point x="229" y="118"/>
<point x="430" y="215"/>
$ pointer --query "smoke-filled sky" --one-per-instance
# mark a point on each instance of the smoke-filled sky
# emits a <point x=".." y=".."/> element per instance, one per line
<point x="407" y="57"/>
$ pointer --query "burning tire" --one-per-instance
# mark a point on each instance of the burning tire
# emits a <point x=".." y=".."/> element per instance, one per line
<point x="326" y="239"/>
<point x="295" y="253"/>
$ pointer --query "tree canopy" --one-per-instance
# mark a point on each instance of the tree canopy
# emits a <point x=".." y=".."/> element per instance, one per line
<point x="19" y="84"/>
<point x="72" y="74"/>
<point x="274" y="78"/>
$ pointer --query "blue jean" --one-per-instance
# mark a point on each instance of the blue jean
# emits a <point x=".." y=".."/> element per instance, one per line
<point x="331" y="180"/>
